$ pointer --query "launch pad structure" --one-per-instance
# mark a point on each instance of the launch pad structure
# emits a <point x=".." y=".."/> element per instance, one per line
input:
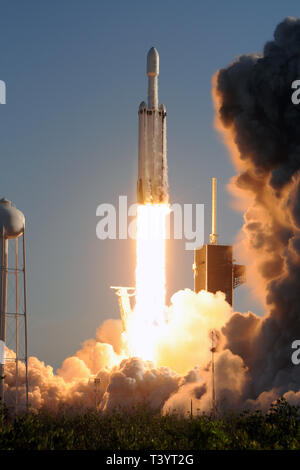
<point x="214" y="268"/>
<point x="124" y="294"/>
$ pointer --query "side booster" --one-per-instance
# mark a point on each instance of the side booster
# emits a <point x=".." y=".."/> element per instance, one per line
<point x="152" y="185"/>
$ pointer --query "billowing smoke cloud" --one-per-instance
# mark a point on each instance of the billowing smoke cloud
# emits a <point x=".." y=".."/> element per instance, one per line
<point x="261" y="126"/>
<point x="136" y="381"/>
<point x="253" y="366"/>
<point x="196" y="388"/>
<point x="191" y="318"/>
<point x="181" y="370"/>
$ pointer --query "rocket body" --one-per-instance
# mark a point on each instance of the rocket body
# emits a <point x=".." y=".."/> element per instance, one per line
<point x="152" y="185"/>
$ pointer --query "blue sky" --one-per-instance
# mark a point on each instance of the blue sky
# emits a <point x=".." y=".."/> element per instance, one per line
<point x="75" y="75"/>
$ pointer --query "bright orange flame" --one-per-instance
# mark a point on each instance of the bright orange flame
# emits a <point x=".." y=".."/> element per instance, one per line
<point x="147" y="322"/>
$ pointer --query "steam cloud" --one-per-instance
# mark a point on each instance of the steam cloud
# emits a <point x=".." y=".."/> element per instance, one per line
<point x="260" y="125"/>
<point x="128" y="381"/>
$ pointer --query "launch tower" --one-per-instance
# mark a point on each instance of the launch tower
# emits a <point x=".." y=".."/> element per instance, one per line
<point x="214" y="268"/>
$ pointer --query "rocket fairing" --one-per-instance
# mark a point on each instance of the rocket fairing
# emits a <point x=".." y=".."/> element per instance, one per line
<point x="152" y="185"/>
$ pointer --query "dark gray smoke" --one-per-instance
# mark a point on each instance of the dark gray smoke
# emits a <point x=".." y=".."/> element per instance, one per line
<point x="262" y="127"/>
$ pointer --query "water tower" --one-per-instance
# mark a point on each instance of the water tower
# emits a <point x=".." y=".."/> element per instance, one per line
<point x="13" y="314"/>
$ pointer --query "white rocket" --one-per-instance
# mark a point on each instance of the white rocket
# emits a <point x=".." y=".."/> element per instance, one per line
<point x="152" y="185"/>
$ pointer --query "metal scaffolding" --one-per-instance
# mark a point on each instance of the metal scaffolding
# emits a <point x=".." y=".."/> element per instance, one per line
<point x="13" y="313"/>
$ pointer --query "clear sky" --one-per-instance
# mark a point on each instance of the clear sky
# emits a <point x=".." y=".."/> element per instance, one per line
<point x="75" y="75"/>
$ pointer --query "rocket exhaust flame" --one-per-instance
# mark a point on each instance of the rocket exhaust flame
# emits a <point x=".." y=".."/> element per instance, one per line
<point x="147" y="321"/>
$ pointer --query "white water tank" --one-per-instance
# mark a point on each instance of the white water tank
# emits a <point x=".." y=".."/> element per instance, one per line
<point x="12" y="221"/>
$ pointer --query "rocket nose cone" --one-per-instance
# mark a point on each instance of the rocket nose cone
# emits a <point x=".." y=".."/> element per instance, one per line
<point x="152" y="62"/>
